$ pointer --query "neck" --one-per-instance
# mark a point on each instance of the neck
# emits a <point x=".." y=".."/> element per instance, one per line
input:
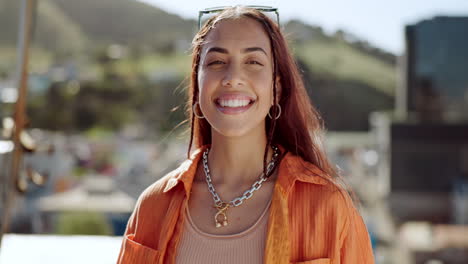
<point x="237" y="161"/>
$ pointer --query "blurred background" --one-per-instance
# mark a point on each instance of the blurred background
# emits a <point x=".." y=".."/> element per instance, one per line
<point x="92" y="107"/>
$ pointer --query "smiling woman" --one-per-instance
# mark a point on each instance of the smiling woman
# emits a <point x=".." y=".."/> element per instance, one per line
<point x="259" y="187"/>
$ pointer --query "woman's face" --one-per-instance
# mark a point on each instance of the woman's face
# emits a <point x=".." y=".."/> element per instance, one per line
<point x="235" y="77"/>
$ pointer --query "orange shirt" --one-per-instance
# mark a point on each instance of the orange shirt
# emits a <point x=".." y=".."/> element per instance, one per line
<point x="311" y="219"/>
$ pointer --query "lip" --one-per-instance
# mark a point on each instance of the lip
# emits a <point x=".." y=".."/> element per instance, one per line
<point x="234" y="110"/>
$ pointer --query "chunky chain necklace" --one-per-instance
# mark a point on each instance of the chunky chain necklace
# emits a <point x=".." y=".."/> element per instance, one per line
<point x="223" y="206"/>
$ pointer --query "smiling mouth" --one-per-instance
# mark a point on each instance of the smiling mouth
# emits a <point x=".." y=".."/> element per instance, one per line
<point x="234" y="103"/>
<point x="233" y="106"/>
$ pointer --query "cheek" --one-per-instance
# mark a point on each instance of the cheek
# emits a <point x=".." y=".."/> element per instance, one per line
<point x="265" y="89"/>
<point x="203" y="84"/>
<point x="207" y="78"/>
<point x="206" y="87"/>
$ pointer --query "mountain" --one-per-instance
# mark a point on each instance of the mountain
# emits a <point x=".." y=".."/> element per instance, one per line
<point x="125" y="21"/>
<point x="342" y="57"/>
<point x="69" y="24"/>
<point x="346" y="77"/>
<point x="53" y="30"/>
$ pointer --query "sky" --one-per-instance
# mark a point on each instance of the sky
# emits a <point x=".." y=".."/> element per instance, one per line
<point x="379" y="22"/>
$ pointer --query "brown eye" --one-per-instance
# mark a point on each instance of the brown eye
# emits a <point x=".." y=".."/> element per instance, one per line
<point x="216" y="62"/>
<point x="254" y="62"/>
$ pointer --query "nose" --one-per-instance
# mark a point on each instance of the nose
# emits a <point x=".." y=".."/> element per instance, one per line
<point x="233" y="76"/>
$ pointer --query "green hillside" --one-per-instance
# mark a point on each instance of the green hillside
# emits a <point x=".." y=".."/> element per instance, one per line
<point x="346" y="77"/>
<point x="66" y="25"/>
<point x="54" y="30"/>
<point x="335" y="57"/>
<point x="126" y="21"/>
<point x="70" y="27"/>
<point x="343" y="62"/>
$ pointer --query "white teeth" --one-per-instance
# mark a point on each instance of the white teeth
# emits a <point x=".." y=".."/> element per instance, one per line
<point x="233" y="103"/>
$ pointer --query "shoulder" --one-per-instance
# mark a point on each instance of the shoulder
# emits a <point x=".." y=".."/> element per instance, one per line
<point x="162" y="192"/>
<point x="156" y="193"/>
<point x="305" y="173"/>
<point x="326" y="202"/>
<point x="314" y="188"/>
<point x="322" y="207"/>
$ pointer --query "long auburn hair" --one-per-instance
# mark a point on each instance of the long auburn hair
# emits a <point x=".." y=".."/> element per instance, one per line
<point x="299" y="129"/>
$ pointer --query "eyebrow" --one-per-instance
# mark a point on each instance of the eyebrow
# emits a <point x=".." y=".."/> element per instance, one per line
<point x="225" y="51"/>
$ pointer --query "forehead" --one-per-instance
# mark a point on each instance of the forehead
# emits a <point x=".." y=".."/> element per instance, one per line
<point x="237" y="34"/>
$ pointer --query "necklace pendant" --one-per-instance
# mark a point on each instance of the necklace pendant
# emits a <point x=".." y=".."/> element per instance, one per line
<point x="223" y="221"/>
<point x="222" y="208"/>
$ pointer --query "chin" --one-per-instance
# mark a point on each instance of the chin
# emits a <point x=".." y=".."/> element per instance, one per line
<point x="238" y="129"/>
<point x="232" y="131"/>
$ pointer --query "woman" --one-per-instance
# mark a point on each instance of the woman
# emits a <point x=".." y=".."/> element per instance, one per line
<point x="259" y="187"/>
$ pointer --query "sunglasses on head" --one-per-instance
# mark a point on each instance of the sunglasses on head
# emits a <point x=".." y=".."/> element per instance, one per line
<point x="207" y="13"/>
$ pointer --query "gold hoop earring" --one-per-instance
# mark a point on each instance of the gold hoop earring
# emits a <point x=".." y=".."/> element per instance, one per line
<point x="194" y="109"/>
<point x="279" y="111"/>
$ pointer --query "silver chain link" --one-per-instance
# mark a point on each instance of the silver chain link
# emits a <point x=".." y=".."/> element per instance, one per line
<point x="247" y="194"/>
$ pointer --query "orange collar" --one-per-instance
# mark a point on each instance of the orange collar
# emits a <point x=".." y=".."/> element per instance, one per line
<point x="291" y="169"/>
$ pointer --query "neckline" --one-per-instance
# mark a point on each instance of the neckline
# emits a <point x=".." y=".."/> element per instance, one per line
<point x="243" y="233"/>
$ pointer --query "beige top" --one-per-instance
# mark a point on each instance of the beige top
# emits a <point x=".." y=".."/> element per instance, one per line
<point x="245" y="247"/>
